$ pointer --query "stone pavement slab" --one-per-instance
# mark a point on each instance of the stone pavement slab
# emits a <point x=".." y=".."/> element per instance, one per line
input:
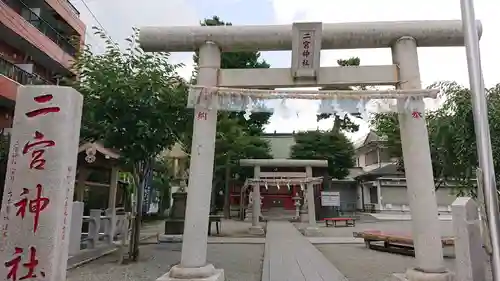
<point x="290" y="256"/>
<point x="248" y="240"/>
<point x="404" y="217"/>
<point x="214" y="240"/>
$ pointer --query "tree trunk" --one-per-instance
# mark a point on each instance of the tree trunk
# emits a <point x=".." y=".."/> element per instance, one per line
<point x="227" y="194"/>
<point x="136" y="229"/>
<point x="336" y="123"/>
<point x="142" y="173"/>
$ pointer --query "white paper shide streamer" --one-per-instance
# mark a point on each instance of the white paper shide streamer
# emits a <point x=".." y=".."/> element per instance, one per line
<point x="331" y="102"/>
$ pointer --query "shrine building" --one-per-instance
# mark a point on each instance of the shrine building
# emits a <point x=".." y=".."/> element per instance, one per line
<point x="375" y="184"/>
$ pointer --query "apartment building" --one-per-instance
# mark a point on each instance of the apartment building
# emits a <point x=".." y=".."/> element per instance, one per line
<point x="38" y="41"/>
<point x="382" y="185"/>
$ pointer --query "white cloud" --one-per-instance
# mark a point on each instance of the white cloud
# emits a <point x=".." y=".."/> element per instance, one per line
<point x="118" y="17"/>
<point x="435" y="63"/>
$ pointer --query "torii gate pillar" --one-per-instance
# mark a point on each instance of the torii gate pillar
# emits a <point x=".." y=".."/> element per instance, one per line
<point x="418" y="171"/>
<point x="193" y="266"/>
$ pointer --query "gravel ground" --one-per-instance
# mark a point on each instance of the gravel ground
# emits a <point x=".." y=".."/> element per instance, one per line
<point x="240" y="263"/>
<point x="244" y="262"/>
<point x="358" y="263"/>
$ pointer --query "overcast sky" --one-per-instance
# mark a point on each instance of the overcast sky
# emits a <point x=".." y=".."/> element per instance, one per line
<point x="119" y="16"/>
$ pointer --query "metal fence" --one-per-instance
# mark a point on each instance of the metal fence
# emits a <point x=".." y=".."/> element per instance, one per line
<point x="19" y="75"/>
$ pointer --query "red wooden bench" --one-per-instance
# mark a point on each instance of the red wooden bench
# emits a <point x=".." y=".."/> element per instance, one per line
<point x="334" y="221"/>
<point x="394" y="242"/>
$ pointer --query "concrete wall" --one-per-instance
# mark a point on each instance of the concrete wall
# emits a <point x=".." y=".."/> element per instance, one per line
<point x="395" y="198"/>
<point x="348" y="199"/>
<point x="348" y="193"/>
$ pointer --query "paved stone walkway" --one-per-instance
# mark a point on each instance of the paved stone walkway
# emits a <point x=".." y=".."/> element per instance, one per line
<point x="290" y="256"/>
<point x="258" y="240"/>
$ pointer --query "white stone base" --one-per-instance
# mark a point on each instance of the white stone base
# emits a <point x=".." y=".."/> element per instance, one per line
<point x="256" y="230"/>
<point x="311" y="231"/>
<point x="415" y="275"/>
<point x="170" y="238"/>
<point x="304" y="217"/>
<point x="206" y="273"/>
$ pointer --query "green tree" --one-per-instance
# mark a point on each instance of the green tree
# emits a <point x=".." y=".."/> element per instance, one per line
<point x="135" y="102"/>
<point x="233" y="142"/>
<point x="342" y="122"/>
<point x="451" y="135"/>
<point x="333" y="146"/>
<point x="236" y="137"/>
<point x="232" y="60"/>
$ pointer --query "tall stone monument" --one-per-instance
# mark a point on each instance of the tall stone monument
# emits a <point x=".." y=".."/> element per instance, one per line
<point x="36" y="207"/>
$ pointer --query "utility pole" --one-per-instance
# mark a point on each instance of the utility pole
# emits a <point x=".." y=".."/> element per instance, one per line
<point x="482" y="128"/>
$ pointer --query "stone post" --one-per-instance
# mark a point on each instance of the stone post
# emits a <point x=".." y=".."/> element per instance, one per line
<point x="470" y="256"/>
<point x="311" y="229"/>
<point x="94" y="230"/>
<point x="304" y="216"/>
<point x="75" y="232"/>
<point x="296" y="200"/>
<point x="193" y="264"/>
<point x="359" y="193"/>
<point x="109" y="225"/>
<point x="256" y="228"/>
<point x="418" y="167"/>
<point x="380" y="200"/>
<point x="111" y="212"/>
<point x="36" y="207"/>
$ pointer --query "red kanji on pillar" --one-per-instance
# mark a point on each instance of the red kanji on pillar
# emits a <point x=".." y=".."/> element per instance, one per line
<point x="30" y="266"/>
<point x="45" y="110"/>
<point x="34" y="206"/>
<point x="201" y="115"/>
<point x="22" y="204"/>
<point x="416" y="114"/>
<point x="39" y="145"/>
<point x="13" y="264"/>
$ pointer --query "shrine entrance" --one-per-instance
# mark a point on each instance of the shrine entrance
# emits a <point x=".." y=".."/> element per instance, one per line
<point x="283" y="195"/>
<point x="236" y="90"/>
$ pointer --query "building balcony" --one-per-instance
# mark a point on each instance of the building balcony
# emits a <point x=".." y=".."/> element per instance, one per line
<point x="17" y="74"/>
<point x="41" y="24"/>
<point x="64" y="10"/>
<point x="52" y="34"/>
<point x="12" y="76"/>
<point x="36" y="38"/>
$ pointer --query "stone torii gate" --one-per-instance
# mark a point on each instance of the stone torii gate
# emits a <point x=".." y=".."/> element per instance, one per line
<point x="308" y="181"/>
<point x="402" y="37"/>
